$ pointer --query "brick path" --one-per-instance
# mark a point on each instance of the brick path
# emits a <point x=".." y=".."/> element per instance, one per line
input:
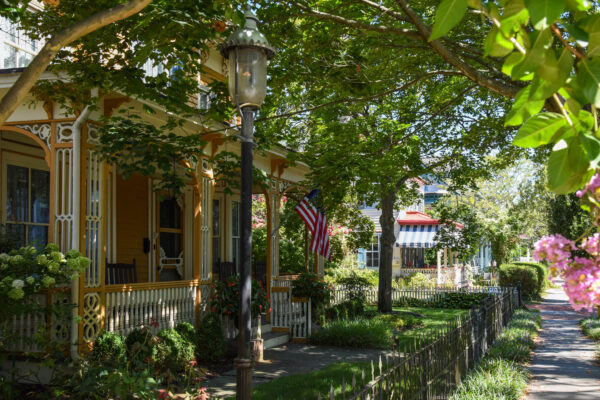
<point x="564" y="363"/>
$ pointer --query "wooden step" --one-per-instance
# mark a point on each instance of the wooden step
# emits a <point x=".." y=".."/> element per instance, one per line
<point x="275" y="339"/>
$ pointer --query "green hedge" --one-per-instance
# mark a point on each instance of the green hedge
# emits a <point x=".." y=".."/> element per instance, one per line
<point x="511" y="274"/>
<point x="542" y="274"/>
<point x="452" y="300"/>
<point x="360" y="333"/>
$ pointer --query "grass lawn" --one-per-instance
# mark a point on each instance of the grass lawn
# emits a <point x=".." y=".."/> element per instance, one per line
<point x="379" y="331"/>
<point x="435" y="318"/>
<point x="308" y="385"/>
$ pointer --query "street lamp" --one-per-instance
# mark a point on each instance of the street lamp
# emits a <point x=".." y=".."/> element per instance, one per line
<point x="248" y="52"/>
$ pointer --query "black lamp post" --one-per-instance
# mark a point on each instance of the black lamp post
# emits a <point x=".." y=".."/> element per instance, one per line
<point x="248" y="53"/>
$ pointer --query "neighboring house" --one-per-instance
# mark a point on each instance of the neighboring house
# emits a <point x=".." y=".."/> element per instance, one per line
<point x="151" y="256"/>
<point x="415" y="232"/>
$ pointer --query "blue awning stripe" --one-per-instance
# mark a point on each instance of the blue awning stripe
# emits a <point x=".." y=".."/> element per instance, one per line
<point x="417" y="236"/>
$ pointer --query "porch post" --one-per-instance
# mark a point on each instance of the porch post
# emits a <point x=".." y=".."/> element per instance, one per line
<point x="439" y="267"/>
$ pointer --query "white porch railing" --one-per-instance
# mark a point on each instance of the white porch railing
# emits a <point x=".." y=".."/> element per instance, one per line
<point x="158" y="305"/>
<point x="289" y="313"/>
<point x="25" y="327"/>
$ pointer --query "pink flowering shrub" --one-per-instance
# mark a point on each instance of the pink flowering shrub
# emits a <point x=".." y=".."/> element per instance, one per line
<point x="581" y="272"/>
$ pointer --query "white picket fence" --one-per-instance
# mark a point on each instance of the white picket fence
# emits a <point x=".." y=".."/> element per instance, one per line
<point x="344" y="293"/>
<point x="290" y="313"/>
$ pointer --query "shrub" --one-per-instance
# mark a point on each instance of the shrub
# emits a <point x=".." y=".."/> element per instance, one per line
<point x="336" y="276"/>
<point x="460" y="300"/>
<point x="109" y="347"/>
<point x="355" y="284"/>
<point x="311" y="286"/>
<point x="210" y="345"/>
<point x="591" y="328"/>
<point x="360" y="333"/>
<point x="493" y="379"/>
<point x="542" y="275"/>
<point x="141" y="347"/>
<point x="26" y="272"/>
<point x="400" y="322"/>
<point x="510" y="275"/>
<point x="451" y="300"/>
<point x="350" y="309"/>
<point x="174" y="352"/>
<point x="226" y="295"/>
<point x="187" y="332"/>
<point x="417" y="280"/>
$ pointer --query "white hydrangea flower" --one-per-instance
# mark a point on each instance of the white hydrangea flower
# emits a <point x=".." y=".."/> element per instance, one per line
<point x="18" y="284"/>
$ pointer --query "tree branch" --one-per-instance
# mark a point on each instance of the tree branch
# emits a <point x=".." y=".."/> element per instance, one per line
<point x="448" y="56"/>
<point x="357" y="24"/>
<point x="15" y="95"/>
<point x="365" y="98"/>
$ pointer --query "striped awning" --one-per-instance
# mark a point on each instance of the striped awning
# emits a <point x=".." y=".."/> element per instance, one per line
<point x="417" y="236"/>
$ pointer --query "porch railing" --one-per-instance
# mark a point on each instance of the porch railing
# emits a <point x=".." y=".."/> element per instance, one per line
<point x="25" y="327"/>
<point x="290" y="314"/>
<point x="158" y="305"/>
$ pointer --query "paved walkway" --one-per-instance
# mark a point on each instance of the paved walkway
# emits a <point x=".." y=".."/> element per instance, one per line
<point x="290" y="359"/>
<point x="563" y="365"/>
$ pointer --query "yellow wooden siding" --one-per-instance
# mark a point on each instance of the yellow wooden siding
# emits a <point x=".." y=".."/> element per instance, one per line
<point x="132" y="222"/>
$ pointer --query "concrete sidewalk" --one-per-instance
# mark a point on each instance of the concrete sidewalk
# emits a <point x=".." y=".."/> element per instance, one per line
<point x="290" y="359"/>
<point x="564" y="364"/>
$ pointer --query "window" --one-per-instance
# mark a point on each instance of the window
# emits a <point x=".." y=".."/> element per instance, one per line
<point x="216" y="228"/>
<point x="205" y="96"/>
<point x="170" y="227"/>
<point x="27" y="204"/>
<point x="16" y="48"/>
<point x="372" y="253"/>
<point x="235" y="233"/>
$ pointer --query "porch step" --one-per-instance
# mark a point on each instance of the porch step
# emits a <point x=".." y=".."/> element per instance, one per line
<point x="274" y="339"/>
<point x="264" y="329"/>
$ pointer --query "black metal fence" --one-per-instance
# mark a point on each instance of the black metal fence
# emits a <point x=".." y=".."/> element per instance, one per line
<point x="432" y="366"/>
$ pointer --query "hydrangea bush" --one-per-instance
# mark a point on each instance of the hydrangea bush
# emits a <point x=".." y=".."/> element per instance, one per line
<point x="578" y="262"/>
<point x="26" y="272"/>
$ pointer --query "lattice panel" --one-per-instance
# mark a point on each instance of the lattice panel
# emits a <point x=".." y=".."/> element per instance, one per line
<point x="275" y="204"/>
<point x="91" y="316"/>
<point x="60" y="330"/>
<point x="205" y="228"/>
<point x="63" y="198"/>
<point x="94" y="213"/>
<point x="43" y="131"/>
<point x="64" y="132"/>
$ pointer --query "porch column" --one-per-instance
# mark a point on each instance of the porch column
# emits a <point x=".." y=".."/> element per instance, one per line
<point x="273" y="206"/>
<point x="439" y="267"/>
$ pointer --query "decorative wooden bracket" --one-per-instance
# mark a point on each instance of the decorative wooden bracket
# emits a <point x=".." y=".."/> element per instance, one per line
<point x="110" y="105"/>
<point x="278" y="165"/>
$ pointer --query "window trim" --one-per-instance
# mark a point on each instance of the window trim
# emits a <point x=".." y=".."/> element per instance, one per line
<point x="29" y="162"/>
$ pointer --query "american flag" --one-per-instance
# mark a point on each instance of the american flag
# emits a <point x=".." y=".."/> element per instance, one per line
<point x="317" y="224"/>
<point x="320" y="240"/>
<point x="307" y="211"/>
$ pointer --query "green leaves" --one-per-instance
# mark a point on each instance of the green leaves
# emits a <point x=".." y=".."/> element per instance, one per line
<point x="567" y="169"/>
<point x="539" y="130"/>
<point x="448" y="14"/>
<point x="544" y="12"/>
<point x="589" y="80"/>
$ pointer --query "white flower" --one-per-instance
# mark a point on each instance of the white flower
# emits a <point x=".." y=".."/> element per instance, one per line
<point x="18" y="284"/>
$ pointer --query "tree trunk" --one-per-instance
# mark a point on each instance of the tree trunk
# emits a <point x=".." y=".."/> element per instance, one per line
<point x="386" y="251"/>
<point x="40" y="62"/>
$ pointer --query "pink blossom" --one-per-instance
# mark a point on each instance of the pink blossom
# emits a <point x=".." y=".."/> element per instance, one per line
<point x="555" y="249"/>
<point x="582" y="284"/>
<point x="591" y="187"/>
<point x="592" y="245"/>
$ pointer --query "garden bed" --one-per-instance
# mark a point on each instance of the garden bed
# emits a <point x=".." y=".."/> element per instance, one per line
<point x="502" y="374"/>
